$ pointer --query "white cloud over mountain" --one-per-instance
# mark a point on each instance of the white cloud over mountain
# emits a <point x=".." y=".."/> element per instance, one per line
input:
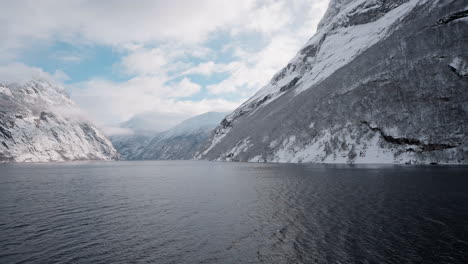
<point x="163" y="45"/>
<point x="19" y="73"/>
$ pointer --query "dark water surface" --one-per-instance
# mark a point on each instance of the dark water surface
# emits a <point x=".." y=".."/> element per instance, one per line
<point x="201" y="212"/>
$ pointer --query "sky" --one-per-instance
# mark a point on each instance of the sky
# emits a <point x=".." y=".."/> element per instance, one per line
<point x="167" y="59"/>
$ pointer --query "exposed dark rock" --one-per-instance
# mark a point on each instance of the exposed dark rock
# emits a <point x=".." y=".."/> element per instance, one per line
<point x="290" y="85"/>
<point x="372" y="12"/>
<point x="225" y="123"/>
<point x="43" y="116"/>
<point x="377" y="61"/>
<point x="451" y="17"/>
<point x="4" y="131"/>
<point x="259" y="103"/>
<point x="408" y="141"/>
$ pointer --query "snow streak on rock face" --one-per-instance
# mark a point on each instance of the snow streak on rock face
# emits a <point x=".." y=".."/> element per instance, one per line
<point x="39" y="123"/>
<point x="382" y="81"/>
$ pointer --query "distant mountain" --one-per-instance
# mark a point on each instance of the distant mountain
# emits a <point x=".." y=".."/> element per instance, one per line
<point x="151" y="122"/>
<point x="39" y="123"/>
<point x="382" y="81"/>
<point x="141" y="124"/>
<point x="178" y="143"/>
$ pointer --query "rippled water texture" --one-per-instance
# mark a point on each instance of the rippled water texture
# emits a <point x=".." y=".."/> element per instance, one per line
<point x="201" y="212"/>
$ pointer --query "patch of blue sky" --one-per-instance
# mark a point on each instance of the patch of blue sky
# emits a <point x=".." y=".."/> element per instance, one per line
<point x="80" y="63"/>
<point x="84" y="62"/>
<point x="223" y="44"/>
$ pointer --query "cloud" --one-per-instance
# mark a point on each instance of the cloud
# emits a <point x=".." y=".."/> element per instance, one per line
<point x="144" y="62"/>
<point x="21" y="73"/>
<point x="285" y="27"/>
<point x="253" y="70"/>
<point x="268" y="17"/>
<point x="210" y="67"/>
<point x="184" y="88"/>
<point x="163" y="46"/>
<point x="114" y="23"/>
<point x="112" y="103"/>
<point x="153" y="121"/>
<point x="124" y="23"/>
<point x="59" y="76"/>
<point x="116" y="130"/>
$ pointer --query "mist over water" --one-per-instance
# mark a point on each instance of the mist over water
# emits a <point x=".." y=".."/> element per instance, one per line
<point x="206" y="212"/>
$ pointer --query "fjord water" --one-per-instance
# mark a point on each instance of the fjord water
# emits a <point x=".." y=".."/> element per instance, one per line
<point x="206" y="212"/>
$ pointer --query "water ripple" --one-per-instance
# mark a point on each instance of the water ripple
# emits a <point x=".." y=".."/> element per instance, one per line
<point x="198" y="212"/>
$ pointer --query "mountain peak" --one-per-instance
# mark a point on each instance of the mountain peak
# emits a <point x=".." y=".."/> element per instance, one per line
<point x="180" y="142"/>
<point x="361" y="90"/>
<point x="39" y="122"/>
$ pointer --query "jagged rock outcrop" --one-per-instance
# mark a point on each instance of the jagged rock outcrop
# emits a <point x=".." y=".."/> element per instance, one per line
<point x="178" y="143"/>
<point x="39" y="123"/>
<point x="380" y="82"/>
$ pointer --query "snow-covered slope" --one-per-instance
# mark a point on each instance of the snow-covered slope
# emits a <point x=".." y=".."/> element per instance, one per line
<point x="382" y="81"/>
<point x="39" y="123"/>
<point x="178" y="143"/>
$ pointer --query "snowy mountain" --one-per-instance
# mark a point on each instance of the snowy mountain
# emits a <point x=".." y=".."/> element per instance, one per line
<point x="142" y="124"/>
<point x="178" y="143"/>
<point x="39" y="123"/>
<point x="151" y="122"/>
<point x="382" y="81"/>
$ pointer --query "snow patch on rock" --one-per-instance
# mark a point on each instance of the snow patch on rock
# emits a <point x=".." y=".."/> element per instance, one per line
<point x="460" y="66"/>
<point x="39" y="123"/>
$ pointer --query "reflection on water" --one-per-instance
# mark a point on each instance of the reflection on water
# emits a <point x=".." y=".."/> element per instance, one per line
<point x="201" y="212"/>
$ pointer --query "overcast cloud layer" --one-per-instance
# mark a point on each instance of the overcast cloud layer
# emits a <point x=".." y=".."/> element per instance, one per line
<point x="175" y="58"/>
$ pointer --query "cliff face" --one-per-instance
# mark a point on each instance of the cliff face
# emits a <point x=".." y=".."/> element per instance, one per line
<point x="39" y="123"/>
<point x="380" y="82"/>
<point x="178" y="143"/>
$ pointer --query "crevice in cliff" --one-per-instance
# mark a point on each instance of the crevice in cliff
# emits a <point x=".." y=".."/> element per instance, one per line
<point x="368" y="12"/>
<point x="408" y="141"/>
<point x="451" y="17"/>
<point x="44" y="116"/>
<point x="225" y="124"/>
<point x="5" y="132"/>
<point x="290" y="85"/>
<point x="4" y="144"/>
<point x="259" y="103"/>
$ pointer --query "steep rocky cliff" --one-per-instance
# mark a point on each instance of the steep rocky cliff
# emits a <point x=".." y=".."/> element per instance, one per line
<point x="382" y="81"/>
<point x="39" y="123"/>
